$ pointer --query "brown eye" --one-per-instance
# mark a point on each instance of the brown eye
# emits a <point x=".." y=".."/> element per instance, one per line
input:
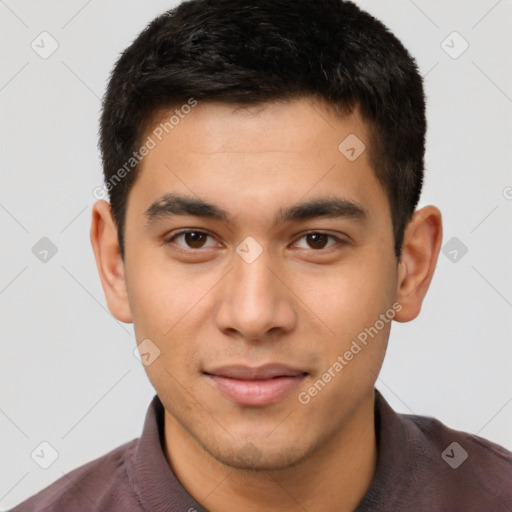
<point x="317" y="241"/>
<point x="192" y="239"/>
<point x="195" y="240"/>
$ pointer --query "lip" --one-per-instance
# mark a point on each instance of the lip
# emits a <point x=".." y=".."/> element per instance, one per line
<point x="255" y="386"/>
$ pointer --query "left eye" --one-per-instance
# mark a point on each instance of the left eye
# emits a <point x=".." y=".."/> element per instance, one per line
<point x="318" y="240"/>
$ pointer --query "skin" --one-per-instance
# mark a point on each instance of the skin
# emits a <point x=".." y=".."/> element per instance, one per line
<point x="298" y="303"/>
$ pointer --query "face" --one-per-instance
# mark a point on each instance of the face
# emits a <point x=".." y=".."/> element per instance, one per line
<point x="256" y="299"/>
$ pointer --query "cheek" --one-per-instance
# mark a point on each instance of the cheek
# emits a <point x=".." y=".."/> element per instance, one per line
<point x="160" y="294"/>
<point x="350" y="298"/>
<point x="165" y="302"/>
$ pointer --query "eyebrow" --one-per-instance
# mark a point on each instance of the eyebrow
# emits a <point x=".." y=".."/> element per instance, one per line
<point x="172" y="204"/>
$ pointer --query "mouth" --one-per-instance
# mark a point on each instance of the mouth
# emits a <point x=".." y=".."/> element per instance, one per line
<point x="256" y="386"/>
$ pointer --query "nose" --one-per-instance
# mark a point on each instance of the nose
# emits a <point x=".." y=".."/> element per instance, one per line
<point x="255" y="304"/>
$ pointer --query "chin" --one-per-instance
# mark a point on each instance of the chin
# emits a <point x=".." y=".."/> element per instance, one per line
<point x="256" y="457"/>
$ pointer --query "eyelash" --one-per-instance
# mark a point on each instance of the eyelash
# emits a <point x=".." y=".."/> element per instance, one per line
<point x="170" y="240"/>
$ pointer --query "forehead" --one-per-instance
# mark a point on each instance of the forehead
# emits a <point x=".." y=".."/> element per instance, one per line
<point x="259" y="155"/>
<point x="221" y="127"/>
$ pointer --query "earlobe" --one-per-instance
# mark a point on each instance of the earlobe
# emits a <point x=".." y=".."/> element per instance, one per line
<point x="422" y="243"/>
<point x="109" y="261"/>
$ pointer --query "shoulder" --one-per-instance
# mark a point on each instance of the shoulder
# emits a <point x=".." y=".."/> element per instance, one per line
<point x="102" y="483"/>
<point x="477" y="449"/>
<point x="465" y="468"/>
<point x="423" y="464"/>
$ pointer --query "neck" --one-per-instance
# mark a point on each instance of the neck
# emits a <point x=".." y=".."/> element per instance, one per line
<point x="335" y="477"/>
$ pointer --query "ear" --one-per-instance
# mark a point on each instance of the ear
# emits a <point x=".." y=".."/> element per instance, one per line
<point x="422" y="243"/>
<point x="108" y="260"/>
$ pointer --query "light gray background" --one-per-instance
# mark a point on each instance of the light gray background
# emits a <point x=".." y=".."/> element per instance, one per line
<point x="68" y="373"/>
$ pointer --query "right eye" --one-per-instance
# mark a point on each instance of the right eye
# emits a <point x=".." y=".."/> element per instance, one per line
<point x="191" y="239"/>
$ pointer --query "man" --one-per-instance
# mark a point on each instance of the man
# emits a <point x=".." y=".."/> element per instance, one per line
<point x="264" y="161"/>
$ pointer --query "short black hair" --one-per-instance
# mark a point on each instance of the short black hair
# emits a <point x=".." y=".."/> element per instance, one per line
<point x="247" y="52"/>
